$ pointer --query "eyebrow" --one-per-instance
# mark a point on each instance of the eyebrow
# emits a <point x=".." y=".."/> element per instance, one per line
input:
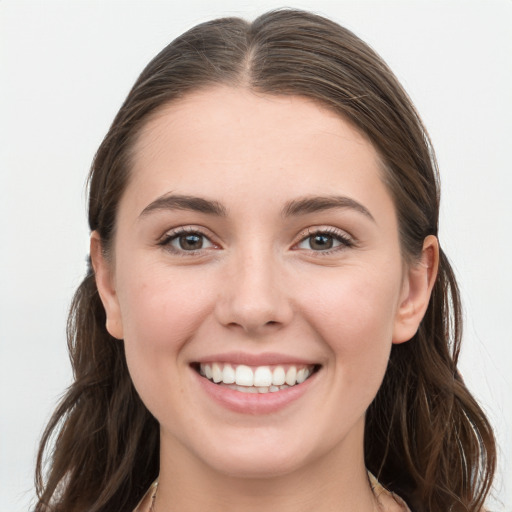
<point x="302" y="206"/>
<point x="182" y="202"/>
<point x="312" y="204"/>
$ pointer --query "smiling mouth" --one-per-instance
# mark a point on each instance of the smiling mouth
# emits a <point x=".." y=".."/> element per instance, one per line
<point x="258" y="379"/>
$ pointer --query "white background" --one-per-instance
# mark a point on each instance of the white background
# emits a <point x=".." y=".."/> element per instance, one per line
<point x="65" y="68"/>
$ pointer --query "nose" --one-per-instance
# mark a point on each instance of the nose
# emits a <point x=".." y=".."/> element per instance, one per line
<point x="253" y="296"/>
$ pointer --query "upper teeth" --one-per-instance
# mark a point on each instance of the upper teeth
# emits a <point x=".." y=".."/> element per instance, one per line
<point x="260" y="376"/>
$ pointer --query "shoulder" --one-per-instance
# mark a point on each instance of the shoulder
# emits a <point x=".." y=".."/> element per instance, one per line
<point x="388" y="501"/>
<point x="145" y="503"/>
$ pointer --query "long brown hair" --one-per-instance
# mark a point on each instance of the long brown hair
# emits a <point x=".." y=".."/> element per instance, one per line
<point x="426" y="438"/>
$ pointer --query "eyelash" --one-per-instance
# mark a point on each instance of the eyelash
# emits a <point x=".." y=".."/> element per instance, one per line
<point x="333" y="233"/>
<point x="175" y="234"/>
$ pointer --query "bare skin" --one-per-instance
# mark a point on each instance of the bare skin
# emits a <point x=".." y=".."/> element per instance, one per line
<point x="257" y="230"/>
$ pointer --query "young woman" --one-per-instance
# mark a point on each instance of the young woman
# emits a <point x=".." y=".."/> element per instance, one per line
<point x="268" y="321"/>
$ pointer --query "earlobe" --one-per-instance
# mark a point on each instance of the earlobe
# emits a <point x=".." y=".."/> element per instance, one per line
<point x="417" y="288"/>
<point x="105" y="284"/>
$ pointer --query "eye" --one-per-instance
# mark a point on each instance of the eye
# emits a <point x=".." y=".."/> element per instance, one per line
<point x="184" y="240"/>
<point x="190" y="242"/>
<point x="324" y="241"/>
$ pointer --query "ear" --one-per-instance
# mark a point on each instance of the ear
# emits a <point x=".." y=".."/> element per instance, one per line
<point x="416" y="290"/>
<point x="103" y="272"/>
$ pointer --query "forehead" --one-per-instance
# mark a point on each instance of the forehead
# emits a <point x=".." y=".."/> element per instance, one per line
<point x="224" y="114"/>
<point x="225" y="140"/>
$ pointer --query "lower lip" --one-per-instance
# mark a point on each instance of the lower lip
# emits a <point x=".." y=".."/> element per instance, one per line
<point x="254" y="403"/>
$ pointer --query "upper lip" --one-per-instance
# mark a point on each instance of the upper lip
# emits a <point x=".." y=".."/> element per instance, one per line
<point x="262" y="359"/>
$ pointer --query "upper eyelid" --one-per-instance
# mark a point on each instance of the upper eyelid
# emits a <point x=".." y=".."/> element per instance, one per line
<point x="179" y="230"/>
<point x="303" y="234"/>
<point x="331" y="230"/>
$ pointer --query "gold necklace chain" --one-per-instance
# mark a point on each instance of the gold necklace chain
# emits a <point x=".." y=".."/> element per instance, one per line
<point x="377" y="505"/>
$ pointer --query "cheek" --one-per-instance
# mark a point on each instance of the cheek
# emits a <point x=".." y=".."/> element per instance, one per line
<point x="157" y="303"/>
<point x="160" y="313"/>
<point x="354" y="315"/>
<point x="357" y="299"/>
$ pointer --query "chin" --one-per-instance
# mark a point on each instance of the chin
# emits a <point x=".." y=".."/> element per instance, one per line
<point x="259" y="454"/>
<point x="257" y="466"/>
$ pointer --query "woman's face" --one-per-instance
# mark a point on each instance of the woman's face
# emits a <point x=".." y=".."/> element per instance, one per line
<point x="256" y="243"/>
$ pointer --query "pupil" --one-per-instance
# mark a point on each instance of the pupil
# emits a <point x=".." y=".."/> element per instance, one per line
<point x="321" y="242"/>
<point x="191" y="242"/>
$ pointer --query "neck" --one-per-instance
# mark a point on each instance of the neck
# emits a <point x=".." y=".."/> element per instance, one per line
<point x="336" y="481"/>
